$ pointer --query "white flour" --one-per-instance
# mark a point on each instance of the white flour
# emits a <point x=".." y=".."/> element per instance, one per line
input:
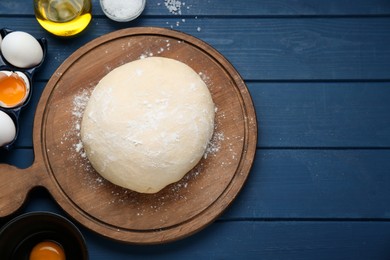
<point x="174" y="6"/>
<point x="122" y="9"/>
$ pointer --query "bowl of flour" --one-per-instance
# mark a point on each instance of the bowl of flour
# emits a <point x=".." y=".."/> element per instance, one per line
<point x="122" y="10"/>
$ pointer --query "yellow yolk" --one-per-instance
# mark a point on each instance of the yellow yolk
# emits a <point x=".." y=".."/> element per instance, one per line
<point x="12" y="89"/>
<point x="47" y="250"/>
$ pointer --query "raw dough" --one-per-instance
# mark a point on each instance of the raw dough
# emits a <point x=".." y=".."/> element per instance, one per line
<point x="148" y="123"/>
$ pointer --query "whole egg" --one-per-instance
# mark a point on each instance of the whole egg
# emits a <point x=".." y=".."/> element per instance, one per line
<point x="7" y="129"/>
<point x="21" y="50"/>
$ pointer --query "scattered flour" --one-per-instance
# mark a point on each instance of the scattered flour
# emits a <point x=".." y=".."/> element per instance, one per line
<point x="80" y="102"/>
<point x="214" y="144"/>
<point x="174" y="6"/>
<point x="164" y="46"/>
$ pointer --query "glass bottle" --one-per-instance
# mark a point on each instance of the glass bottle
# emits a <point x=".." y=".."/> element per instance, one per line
<point x="63" y="17"/>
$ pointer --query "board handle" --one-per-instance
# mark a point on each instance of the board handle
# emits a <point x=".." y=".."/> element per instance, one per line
<point x="15" y="184"/>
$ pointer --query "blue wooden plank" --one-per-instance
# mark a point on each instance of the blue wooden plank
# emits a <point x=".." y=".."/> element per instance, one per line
<point x="303" y="61"/>
<point x="262" y="240"/>
<point x="323" y="115"/>
<point x="248" y="7"/>
<point x="261" y="49"/>
<point x="272" y="8"/>
<point x="21" y="158"/>
<point x="316" y="184"/>
<point x="309" y="184"/>
<point x="248" y="239"/>
<point x="251" y="240"/>
<point x="304" y="114"/>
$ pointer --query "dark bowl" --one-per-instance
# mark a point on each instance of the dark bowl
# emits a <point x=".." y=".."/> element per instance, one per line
<point x="20" y="235"/>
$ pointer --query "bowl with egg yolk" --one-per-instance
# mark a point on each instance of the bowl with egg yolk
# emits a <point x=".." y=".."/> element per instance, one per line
<point x="41" y="236"/>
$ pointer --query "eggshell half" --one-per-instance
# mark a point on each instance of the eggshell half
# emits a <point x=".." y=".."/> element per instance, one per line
<point x="26" y="83"/>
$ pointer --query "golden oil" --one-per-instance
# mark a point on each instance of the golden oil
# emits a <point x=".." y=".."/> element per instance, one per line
<point x="63" y="17"/>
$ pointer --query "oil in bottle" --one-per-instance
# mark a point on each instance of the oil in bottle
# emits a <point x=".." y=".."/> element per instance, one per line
<point x="63" y="17"/>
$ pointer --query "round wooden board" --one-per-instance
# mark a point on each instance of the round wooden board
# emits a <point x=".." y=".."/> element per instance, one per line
<point x="179" y="209"/>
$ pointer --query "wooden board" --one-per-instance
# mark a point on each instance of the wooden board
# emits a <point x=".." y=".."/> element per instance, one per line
<point x="180" y="209"/>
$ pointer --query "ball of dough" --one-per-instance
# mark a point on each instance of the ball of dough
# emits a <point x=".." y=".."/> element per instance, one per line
<point x="148" y="123"/>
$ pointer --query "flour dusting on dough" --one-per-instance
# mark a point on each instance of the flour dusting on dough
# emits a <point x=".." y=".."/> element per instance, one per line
<point x="94" y="182"/>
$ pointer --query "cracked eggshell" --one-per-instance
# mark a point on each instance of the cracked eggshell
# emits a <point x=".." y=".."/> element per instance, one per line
<point x="21" y="50"/>
<point x="26" y="81"/>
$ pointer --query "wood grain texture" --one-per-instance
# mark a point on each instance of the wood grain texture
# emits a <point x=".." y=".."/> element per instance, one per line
<point x="316" y="184"/>
<point x="267" y="238"/>
<point x="262" y="49"/>
<point x="231" y="8"/>
<point x="335" y="114"/>
<point x="318" y="72"/>
<point x="178" y="210"/>
<point x="322" y="115"/>
<point x="309" y="184"/>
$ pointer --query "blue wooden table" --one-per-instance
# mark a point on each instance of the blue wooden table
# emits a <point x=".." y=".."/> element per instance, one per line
<point x="319" y="75"/>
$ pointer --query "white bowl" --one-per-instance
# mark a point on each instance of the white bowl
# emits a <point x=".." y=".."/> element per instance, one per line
<point x="114" y="10"/>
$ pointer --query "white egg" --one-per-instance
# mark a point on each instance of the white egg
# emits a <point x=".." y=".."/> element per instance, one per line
<point x="7" y="129"/>
<point x="21" y="49"/>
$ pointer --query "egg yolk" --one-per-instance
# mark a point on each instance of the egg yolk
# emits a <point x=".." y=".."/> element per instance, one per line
<point x="47" y="250"/>
<point x="12" y="89"/>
